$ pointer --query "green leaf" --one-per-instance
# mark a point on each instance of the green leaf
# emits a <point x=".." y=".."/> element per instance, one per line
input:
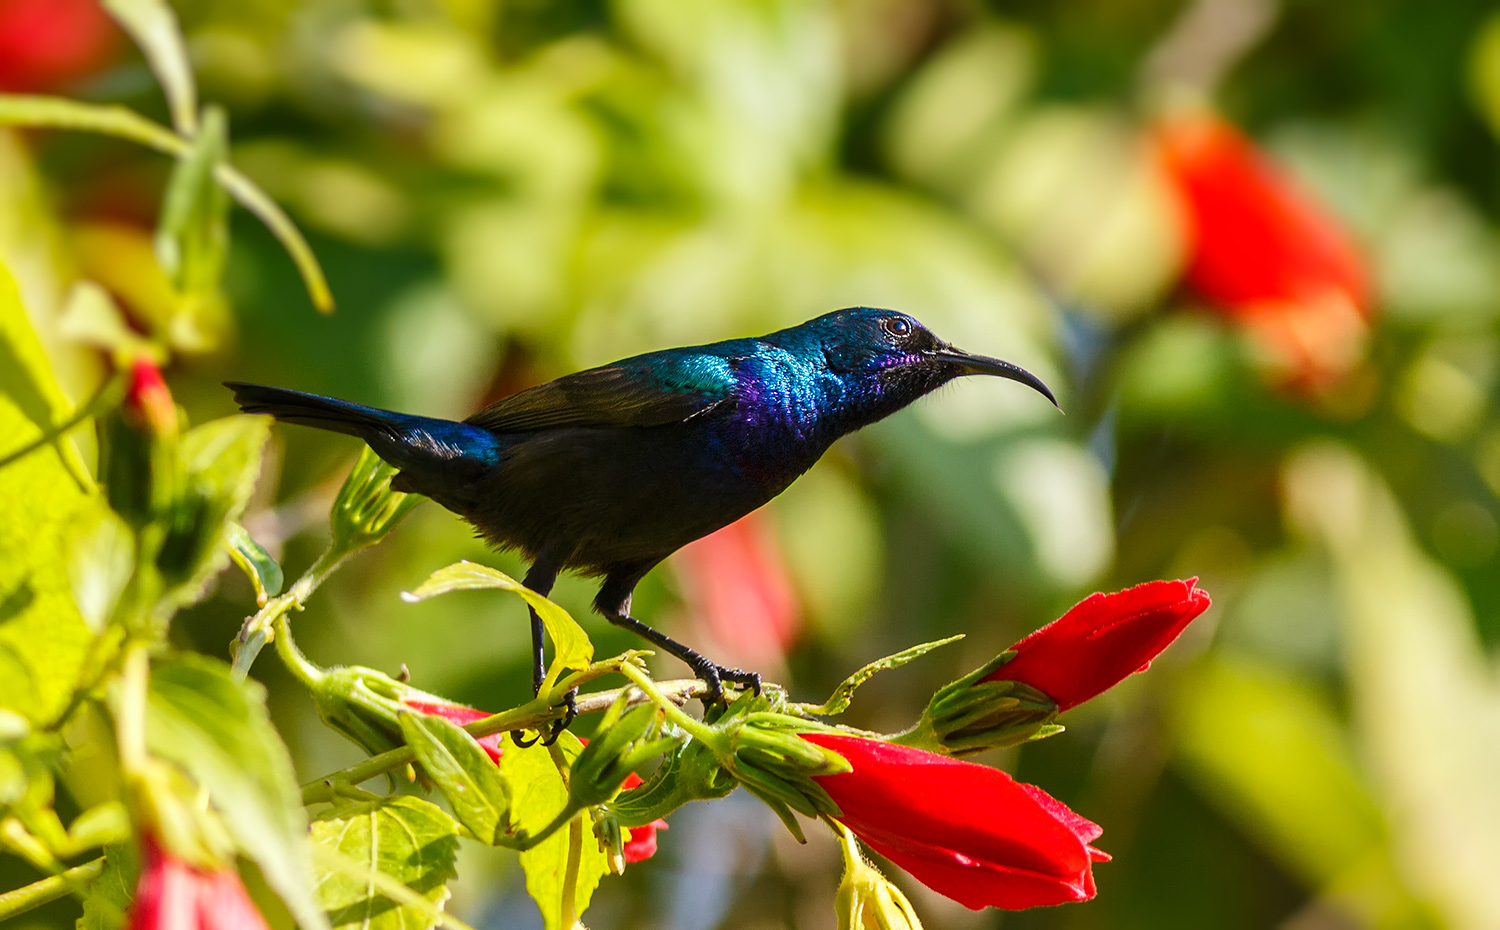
<point x="408" y="839"/>
<point x="110" y="894"/>
<point x="222" y="458"/>
<point x="262" y="570"/>
<point x="540" y="793"/>
<point x="101" y="558"/>
<point x="91" y="316"/>
<point x="217" y="729"/>
<point x="153" y="26"/>
<point x="44" y="640"/>
<point x="463" y="772"/>
<point x="574" y="650"/>
<point x="61" y="113"/>
<point x="838" y="701"/>
<point x="192" y="239"/>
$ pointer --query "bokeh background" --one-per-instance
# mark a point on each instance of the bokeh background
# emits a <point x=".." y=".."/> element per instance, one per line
<point x="1251" y="244"/>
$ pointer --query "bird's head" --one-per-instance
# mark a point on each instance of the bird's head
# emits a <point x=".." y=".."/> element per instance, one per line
<point x="895" y="356"/>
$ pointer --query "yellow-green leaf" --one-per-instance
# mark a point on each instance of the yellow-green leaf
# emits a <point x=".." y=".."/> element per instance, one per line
<point x="574" y="650"/>
<point x="410" y="840"/>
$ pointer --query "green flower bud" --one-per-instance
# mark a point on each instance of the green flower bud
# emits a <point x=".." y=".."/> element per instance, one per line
<point x="971" y="714"/>
<point x="366" y="508"/>
<point x="866" y="900"/>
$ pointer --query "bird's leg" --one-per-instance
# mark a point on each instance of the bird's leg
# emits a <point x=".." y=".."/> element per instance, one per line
<point x="540" y="578"/>
<point x="615" y="606"/>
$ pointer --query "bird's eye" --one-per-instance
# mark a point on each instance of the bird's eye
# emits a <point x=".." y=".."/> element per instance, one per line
<point x="897" y="326"/>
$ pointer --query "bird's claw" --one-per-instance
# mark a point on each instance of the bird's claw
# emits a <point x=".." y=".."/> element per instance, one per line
<point x="570" y="712"/>
<point x="715" y="676"/>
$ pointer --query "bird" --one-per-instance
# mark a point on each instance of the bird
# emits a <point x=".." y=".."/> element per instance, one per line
<point x="609" y="470"/>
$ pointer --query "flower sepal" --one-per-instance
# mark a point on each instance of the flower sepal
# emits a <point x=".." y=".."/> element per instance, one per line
<point x="971" y="714"/>
<point x="866" y="900"/>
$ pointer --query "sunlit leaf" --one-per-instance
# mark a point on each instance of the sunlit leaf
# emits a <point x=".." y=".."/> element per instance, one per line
<point x="43" y="637"/>
<point x="217" y="729"/>
<point x="101" y="557"/>
<point x="408" y="839"/>
<point x="222" y="458"/>
<point x="463" y="772"/>
<point x="257" y="564"/>
<point x="109" y="895"/>
<point x="574" y="650"/>
<point x="540" y="793"/>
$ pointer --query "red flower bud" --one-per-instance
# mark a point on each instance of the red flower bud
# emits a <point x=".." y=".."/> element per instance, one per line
<point x="967" y="831"/>
<point x="1102" y="640"/>
<point x="173" y="895"/>
<point x="642" y="842"/>
<point x="1264" y="252"/>
<point x="48" y="44"/>
<point x="148" y="403"/>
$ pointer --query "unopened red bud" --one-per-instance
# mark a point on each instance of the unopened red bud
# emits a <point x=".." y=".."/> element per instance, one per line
<point x="148" y="402"/>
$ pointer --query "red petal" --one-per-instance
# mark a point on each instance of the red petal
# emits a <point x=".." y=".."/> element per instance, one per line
<point x="1103" y="639"/>
<point x="642" y="842"/>
<point x="738" y="587"/>
<point x="967" y="831"/>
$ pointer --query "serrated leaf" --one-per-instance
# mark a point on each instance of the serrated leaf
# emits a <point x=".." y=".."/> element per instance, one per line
<point x="192" y="239"/>
<point x="574" y="650"/>
<point x="411" y="840"/>
<point x="838" y="701"/>
<point x="61" y="113"/>
<point x="43" y="637"/>
<point x="222" y="459"/>
<point x="539" y="793"/>
<point x="153" y="26"/>
<point x="462" y="771"/>
<point x="252" y="558"/>
<point x="217" y="729"/>
<point x="110" y="894"/>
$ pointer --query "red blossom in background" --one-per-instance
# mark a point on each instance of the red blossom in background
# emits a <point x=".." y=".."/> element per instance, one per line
<point x="642" y="842"/>
<point x="46" y="45"/>
<point x="1264" y="252"/>
<point x="148" y="402"/>
<point x="1102" y="640"/>
<point x="737" y="587"/>
<point x="173" y="895"/>
<point x="967" y="831"/>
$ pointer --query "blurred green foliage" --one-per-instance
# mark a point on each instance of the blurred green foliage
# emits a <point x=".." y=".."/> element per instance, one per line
<point x="501" y="192"/>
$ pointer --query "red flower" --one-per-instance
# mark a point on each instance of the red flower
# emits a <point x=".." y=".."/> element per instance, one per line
<point x="642" y="842"/>
<point x="967" y="831"/>
<point x="1262" y="251"/>
<point x="48" y="44"/>
<point x="173" y="895"/>
<point x="736" y="585"/>
<point x="1102" y="640"/>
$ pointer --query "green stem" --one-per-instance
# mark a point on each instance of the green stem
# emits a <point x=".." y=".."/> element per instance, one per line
<point x="263" y="627"/>
<point x="102" y="399"/>
<point x="49" y="889"/>
<point x="528" y="716"/>
<point x="697" y="728"/>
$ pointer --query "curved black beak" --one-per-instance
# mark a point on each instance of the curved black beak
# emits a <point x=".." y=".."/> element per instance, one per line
<point x="983" y="365"/>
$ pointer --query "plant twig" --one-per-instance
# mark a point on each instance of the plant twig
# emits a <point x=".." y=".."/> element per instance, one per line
<point x="49" y="889"/>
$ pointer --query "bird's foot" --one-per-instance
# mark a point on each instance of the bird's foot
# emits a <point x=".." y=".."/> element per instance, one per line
<point x="715" y="675"/>
<point x="570" y="713"/>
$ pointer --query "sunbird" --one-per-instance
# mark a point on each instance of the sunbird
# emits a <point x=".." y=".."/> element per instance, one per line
<point x="610" y="470"/>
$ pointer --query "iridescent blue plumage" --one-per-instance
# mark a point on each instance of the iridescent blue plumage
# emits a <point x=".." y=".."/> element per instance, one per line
<point x="610" y="470"/>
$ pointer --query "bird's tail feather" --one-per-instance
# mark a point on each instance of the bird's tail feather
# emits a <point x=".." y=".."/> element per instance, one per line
<point x="436" y="457"/>
<point x="315" y="410"/>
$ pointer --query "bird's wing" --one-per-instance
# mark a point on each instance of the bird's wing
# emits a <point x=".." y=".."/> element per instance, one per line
<point x="650" y="390"/>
